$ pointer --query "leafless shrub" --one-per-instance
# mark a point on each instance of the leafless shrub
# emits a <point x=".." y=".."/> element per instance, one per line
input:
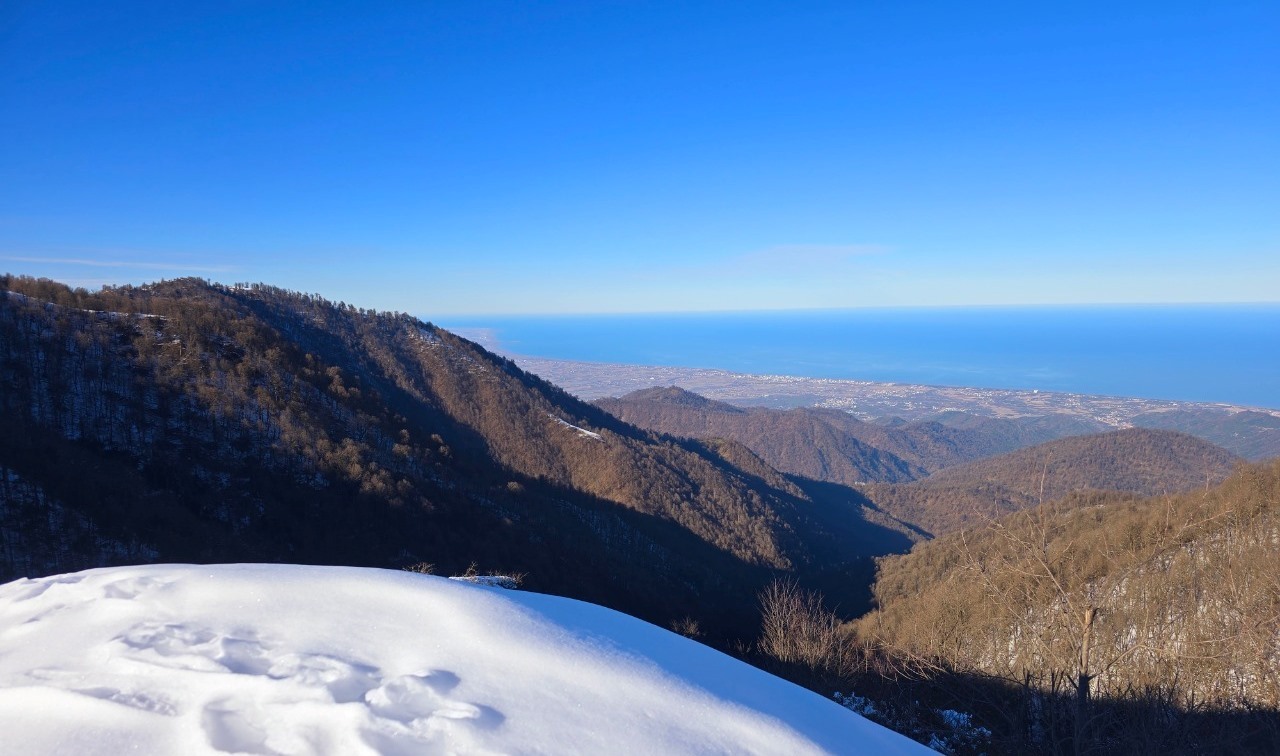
<point x="798" y="630"/>
<point x="688" y="627"/>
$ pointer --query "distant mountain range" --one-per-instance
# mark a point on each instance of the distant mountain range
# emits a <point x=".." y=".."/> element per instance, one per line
<point x="835" y="446"/>
<point x="1250" y="433"/>
<point x="828" y="446"/>
<point x="946" y="473"/>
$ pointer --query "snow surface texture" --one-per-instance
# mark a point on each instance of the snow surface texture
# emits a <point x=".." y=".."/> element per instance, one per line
<point x="281" y="659"/>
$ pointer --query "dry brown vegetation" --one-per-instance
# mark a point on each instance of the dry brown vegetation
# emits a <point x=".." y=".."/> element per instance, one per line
<point x="1133" y="460"/>
<point x="1099" y="623"/>
<point x="797" y="630"/>
<point x="801" y="442"/>
<point x="1174" y="599"/>
<point x="834" y="446"/>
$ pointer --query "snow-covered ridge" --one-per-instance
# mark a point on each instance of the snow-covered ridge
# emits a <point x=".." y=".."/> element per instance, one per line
<point x="282" y="659"/>
<point x="581" y="431"/>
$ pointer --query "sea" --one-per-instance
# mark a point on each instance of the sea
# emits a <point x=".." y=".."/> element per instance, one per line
<point x="1202" y="353"/>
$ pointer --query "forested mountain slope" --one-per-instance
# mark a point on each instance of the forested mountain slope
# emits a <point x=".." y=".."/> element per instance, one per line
<point x="997" y="435"/>
<point x="834" y="446"/>
<point x="1173" y="598"/>
<point x="185" y="421"/>
<point x="1134" y="460"/>
<point x="801" y="442"/>
<point x="1251" y="434"/>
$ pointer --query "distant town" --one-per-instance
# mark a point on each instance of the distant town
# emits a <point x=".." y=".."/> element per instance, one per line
<point x="866" y="400"/>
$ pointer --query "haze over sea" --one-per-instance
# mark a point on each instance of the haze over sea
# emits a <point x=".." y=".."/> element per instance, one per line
<point x="1204" y="353"/>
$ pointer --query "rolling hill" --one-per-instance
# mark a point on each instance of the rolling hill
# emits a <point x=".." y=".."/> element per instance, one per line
<point x="1251" y="434"/>
<point x="803" y="442"/>
<point x="834" y="446"/>
<point x="1133" y="460"/>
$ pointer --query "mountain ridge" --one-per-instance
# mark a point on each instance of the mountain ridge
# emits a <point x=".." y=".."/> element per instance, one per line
<point x="250" y="423"/>
<point x="834" y="446"/>
<point x="1251" y="432"/>
<point x="1131" y="460"/>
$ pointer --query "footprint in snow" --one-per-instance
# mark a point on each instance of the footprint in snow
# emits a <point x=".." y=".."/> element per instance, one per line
<point x="347" y="682"/>
<point x="131" y="588"/>
<point x="26" y="589"/>
<point x="417" y="714"/>
<point x="133" y="699"/>
<point x="231" y="728"/>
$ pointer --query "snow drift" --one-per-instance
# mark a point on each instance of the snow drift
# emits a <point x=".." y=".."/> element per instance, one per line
<point x="272" y="659"/>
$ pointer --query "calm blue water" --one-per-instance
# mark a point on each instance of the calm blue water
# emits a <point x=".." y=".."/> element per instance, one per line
<point x="1212" y="353"/>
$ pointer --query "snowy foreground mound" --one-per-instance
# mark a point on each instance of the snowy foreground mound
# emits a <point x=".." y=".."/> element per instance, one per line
<point x="271" y="659"/>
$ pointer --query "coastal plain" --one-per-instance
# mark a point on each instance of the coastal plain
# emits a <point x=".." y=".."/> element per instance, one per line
<point x="869" y="400"/>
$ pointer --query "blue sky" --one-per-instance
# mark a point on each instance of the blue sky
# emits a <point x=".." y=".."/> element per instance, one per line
<point x="473" y="157"/>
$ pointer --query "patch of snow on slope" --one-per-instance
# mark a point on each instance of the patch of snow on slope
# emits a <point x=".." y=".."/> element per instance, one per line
<point x="53" y="307"/>
<point x="581" y="431"/>
<point x="281" y="659"/>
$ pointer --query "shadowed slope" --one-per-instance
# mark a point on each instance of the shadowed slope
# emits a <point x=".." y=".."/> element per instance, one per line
<point x="209" y="423"/>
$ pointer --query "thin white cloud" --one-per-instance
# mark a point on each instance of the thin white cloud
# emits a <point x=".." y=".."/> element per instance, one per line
<point x="791" y="255"/>
<point x="132" y="264"/>
<point x="790" y="260"/>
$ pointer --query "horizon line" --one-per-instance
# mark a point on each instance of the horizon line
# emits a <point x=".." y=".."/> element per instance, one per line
<point x="856" y="308"/>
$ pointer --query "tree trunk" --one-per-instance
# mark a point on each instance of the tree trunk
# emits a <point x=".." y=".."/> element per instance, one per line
<point x="1083" y="680"/>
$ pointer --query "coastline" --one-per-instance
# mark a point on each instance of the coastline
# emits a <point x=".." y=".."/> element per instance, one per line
<point x="1172" y="355"/>
<point x="1251" y="431"/>
<point x="867" y="400"/>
